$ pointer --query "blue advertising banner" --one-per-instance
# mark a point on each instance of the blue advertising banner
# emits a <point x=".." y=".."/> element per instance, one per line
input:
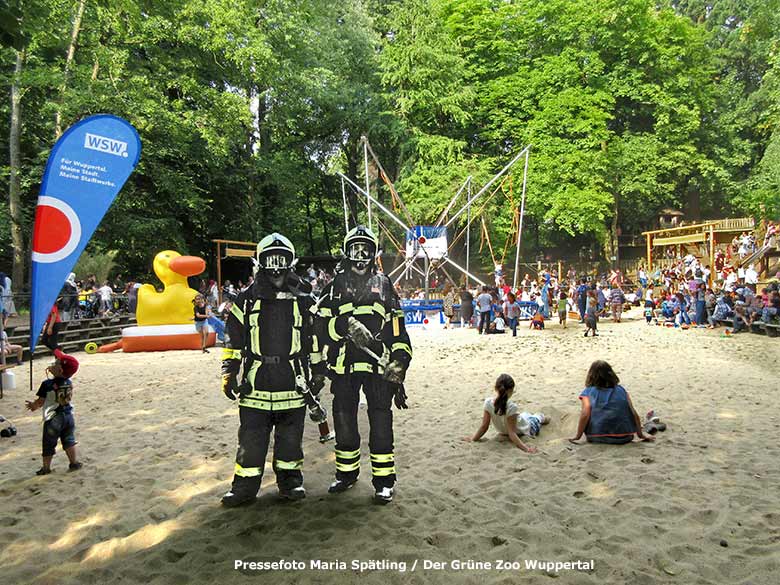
<point x="87" y="168"/>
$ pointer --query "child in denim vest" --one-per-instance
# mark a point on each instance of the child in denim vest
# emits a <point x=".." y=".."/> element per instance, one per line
<point x="607" y="414"/>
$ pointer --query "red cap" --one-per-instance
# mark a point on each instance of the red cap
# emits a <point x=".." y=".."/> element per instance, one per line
<point x="70" y="365"/>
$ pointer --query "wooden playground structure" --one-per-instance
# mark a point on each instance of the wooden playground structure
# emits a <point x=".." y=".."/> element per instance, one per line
<point x="706" y="236"/>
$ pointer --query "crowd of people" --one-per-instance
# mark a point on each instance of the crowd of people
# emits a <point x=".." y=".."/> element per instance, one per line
<point x="684" y="294"/>
<point x="500" y="308"/>
<point x="89" y="298"/>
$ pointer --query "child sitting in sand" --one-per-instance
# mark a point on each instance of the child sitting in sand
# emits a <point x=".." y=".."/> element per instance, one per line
<point x="498" y="325"/>
<point x="607" y="415"/>
<point x="54" y="396"/>
<point x="538" y="321"/>
<point x="506" y="418"/>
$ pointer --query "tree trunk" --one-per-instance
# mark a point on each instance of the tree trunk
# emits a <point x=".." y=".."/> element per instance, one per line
<point x="262" y="129"/>
<point x="613" y="232"/>
<point x="611" y="237"/>
<point x="14" y="182"/>
<point x="611" y="244"/>
<point x="693" y="203"/>
<point x="324" y="218"/>
<point x="74" y="35"/>
<point x="353" y="158"/>
<point x="309" y="221"/>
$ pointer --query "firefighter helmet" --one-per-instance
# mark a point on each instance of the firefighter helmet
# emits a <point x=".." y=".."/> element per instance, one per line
<point x="275" y="255"/>
<point x="360" y="247"/>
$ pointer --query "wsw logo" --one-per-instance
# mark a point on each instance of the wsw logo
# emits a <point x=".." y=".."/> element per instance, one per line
<point x="104" y="144"/>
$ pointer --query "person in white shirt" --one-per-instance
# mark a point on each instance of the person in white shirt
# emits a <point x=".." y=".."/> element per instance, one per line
<point x="642" y="277"/>
<point x="498" y="325"/>
<point x="512" y="312"/>
<point x="105" y="294"/>
<point x="484" y="303"/>
<point x="731" y="281"/>
<point x="506" y="416"/>
<point x="751" y="277"/>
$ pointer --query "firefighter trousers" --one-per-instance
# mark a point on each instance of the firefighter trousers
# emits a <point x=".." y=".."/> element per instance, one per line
<point x="254" y="435"/>
<point x="346" y="398"/>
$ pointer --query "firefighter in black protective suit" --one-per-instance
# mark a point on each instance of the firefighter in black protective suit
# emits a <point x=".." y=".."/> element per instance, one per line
<point x="270" y="331"/>
<point x="362" y="325"/>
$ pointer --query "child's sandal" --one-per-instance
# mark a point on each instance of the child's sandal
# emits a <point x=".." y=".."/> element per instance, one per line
<point x="75" y="466"/>
<point x="651" y="428"/>
<point x="43" y="471"/>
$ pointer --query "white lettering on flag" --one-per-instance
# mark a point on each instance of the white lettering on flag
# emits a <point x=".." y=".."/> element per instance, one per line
<point x="107" y="145"/>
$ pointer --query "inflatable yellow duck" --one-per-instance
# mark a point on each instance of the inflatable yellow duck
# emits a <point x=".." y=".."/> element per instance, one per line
<point x="172" y="306"/>
<point x="166" y="319"/>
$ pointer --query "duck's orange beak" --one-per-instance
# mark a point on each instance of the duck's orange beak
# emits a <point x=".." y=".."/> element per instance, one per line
<point x="187" y="265"/>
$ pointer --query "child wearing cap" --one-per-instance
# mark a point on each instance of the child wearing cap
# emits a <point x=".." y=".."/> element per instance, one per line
<point x="54" y="395"/>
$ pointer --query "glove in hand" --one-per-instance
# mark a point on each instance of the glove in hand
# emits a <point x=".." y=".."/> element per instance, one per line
<point x="230" y="386"/>
<point x="395" y="372"/>
<point x="399" y="396"/>
<point x="359" y="333"/>
<point x="318" y="414"/>
<point x="317" y="383"/>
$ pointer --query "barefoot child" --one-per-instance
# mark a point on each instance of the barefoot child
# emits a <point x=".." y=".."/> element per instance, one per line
<point x="538" y="321"/>
<point x="507" y="418"/>
<point x="54" y="396"/>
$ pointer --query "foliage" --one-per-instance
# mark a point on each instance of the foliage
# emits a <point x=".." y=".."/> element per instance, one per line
<point x="245" y="109"/>
<point x="99" y="264"/>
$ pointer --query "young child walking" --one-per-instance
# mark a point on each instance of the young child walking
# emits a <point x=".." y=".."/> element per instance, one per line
<point x="591" y="313"/>
<point x="54" y="396"/>
<point x="506" y="416"/>
<point x="563" y="311"/>
<point x="650" y="315"/>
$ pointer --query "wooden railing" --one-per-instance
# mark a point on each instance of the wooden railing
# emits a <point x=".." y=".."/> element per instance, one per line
<point x="736" y="223"/>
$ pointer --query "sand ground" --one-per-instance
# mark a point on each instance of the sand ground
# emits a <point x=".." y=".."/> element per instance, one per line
<point x="700" y="505"/>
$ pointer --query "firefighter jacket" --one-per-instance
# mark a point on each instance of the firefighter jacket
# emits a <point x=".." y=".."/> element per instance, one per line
<point x="372" y="300"/>
<point x="270" y="334"/>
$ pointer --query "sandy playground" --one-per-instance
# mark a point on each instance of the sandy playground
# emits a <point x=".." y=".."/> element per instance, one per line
<point x="700" y="505"/>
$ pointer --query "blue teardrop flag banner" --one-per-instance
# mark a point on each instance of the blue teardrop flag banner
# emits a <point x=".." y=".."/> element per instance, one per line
<point x="87" y="168"/>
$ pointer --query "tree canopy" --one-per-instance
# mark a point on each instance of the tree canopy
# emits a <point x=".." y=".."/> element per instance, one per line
<point x="247" y="108"/>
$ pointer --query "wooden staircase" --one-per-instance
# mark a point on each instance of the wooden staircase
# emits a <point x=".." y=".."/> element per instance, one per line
<point x="74" y="335"/>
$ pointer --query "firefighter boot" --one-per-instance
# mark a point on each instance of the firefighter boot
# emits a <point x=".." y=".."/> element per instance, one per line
<point x="243" y="492"/>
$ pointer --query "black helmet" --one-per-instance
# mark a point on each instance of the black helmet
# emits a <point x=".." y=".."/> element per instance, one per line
<point x="275" y="255"/>
<point x="360" y="246"/>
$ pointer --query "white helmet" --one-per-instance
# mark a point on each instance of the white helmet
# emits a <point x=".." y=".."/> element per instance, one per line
<point x="360" y="246"/>
<point x="275" y="255"/>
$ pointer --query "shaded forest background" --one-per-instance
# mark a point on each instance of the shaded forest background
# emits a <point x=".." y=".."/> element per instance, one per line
<point x="247" y="108"/>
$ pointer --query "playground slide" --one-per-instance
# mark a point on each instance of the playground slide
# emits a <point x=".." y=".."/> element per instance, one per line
<point x="757" y="255"/>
